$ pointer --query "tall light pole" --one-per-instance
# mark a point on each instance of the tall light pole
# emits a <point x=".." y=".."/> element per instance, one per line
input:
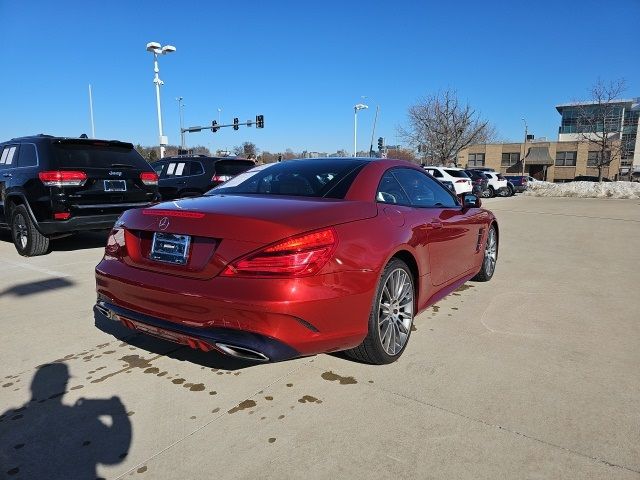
<point x="180" y="107"/>
<point x="526" y="131"/>
<point x="157" y="49"/>
<point x="93" y="127"/>
<point x="359" y="106"/>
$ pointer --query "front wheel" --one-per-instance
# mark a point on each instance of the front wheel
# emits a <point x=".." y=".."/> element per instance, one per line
<point x="490" y="256"/>
<point x="391" y="317"/>
<point x="29" y="242"/>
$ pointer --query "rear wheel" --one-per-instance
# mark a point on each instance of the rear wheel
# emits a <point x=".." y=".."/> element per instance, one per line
<point x="391" y="317"/>
<point x="28" y="240"/>
<point x="490" y="257"/>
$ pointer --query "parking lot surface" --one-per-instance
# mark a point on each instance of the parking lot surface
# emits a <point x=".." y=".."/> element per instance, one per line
<point x="531" y="375"/>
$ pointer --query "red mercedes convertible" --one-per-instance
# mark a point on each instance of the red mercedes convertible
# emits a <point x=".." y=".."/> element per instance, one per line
<point x="297" y="258"/>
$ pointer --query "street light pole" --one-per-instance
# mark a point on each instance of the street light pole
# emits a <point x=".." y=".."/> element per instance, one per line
<point x="157" y="49"/>
<point x="526" y="131"/>
<point x="180" y="107"/>
<point x="359" y="106"/>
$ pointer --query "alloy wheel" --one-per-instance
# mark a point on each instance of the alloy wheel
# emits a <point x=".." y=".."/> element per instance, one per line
<point x="490" y="252"/>
<point x="20" y="231"/>
<point x="395" y="311"/>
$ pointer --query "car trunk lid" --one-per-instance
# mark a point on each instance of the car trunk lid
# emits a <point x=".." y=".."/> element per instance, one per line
<point x="222" y="228"/>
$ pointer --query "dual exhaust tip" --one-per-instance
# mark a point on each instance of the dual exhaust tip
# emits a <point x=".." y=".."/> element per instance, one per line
<point x="195" y="343"/>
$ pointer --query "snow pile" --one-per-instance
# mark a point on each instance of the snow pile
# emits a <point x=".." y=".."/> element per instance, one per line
<point x="585" y="189"/>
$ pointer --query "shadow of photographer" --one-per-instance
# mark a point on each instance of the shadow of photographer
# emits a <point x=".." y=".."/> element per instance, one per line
<point x="46" y="438"/>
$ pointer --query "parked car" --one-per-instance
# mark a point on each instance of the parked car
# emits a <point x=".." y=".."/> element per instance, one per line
<point x="519" y="182"/>
<point x="296" y="258"/>
<point x="497" y="184"/>
<point x="457" y="176"/>
<point x="192" y="175"/>
<point x="479" y="180"/>
<point x="53" y="186"/>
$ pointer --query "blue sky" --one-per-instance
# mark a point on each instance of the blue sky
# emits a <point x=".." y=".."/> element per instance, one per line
<point x="304" y="65"/>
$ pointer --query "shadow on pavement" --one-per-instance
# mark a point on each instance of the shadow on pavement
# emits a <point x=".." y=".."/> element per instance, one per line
<point x="46" y="438"/>
<point x="172" y="350"/>
<point x="30" y="288"/>
<point x="79" y="241"/>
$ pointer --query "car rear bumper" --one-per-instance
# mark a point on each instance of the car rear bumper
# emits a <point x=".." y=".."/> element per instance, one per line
<point x="291" y="317"/>
<point x="78" y="224"/>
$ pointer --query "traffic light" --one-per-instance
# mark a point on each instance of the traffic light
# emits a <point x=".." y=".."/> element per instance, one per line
<point x="235" y="123"/>
<point x="259" y="121"/>
<point x="380" y="144"/>
<point x="214" y="127"/>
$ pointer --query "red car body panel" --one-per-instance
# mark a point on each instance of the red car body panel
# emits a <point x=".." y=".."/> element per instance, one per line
<point x="327" y="311"/>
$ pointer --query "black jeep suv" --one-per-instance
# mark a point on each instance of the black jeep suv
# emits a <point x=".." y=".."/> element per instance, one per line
<point x="51" y="187"/>
<point x="193" y="175"/>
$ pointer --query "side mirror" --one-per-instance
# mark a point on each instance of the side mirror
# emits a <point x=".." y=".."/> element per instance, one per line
<point x="469" y="200"/>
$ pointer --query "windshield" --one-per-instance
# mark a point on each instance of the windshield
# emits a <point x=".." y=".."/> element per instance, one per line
<point x="305" y="178"/>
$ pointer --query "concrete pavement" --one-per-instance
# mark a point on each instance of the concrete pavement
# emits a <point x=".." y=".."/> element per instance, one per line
<point x="531" y="375"/>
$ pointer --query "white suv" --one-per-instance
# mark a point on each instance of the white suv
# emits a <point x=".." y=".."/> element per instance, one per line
<point x="497" y="184"/>
<point x="457" y="176"/>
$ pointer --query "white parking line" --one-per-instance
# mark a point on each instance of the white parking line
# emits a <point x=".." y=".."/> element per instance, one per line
<point x="28" y="266"/>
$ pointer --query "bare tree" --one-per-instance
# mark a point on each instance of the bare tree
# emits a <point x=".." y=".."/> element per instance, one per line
<point x="247" y="149"/>
<point x="439" y="126"/>
<point x="599" y="123"/>
<point x="402" y="154"/>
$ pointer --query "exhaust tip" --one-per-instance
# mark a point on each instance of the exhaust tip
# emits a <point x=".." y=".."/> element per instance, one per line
<point x="103" y="310"/>
<point x="242" y="352"/>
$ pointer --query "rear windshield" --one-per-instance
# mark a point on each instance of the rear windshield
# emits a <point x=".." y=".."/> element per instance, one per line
<point x="304" y="178"/>
<point x="457" y="173"/>
<point x="98" y="155"/>
<point x="233" y="167"/>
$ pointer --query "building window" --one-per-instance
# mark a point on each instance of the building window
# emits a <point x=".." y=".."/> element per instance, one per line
<point x="509" y="159"/>
<point x="475" y="160"/>
<point x="593" y="160"/>
<point x="566" y="159"/>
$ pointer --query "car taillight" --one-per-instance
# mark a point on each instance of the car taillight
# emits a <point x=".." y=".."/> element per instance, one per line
<point x="301" y="255"/>
<point x="220" y="178"/>
<point x="115" y="243"/>
<point x="63" y="178"/>
<point x="149" y="178"/>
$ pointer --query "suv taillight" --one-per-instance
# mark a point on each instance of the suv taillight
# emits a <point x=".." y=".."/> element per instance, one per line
<point x="301" y="255"/>
<point x="62" y="178"/>
<point x="149" y="178"/>
<point x="220" y="178"/>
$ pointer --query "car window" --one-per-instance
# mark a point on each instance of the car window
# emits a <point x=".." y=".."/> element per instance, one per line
<point x="306" y="178"/>
<point x="28" y="156"/>
<point x="195" y="168"/>
<point x="7" y="156"/>
<point x="457" y="173"/>
<point x="390" y="191"/>
<point x="177" y="169"/>
<point x="80" y="153"/>
<point x="233" y="167"/>
<point x="422" y="190"/>
<point x="158" y="167"/>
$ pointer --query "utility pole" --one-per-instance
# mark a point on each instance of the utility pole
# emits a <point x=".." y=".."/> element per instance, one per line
<point x="526" y="131"/>
<point x="373" y="131"/>
<point x="180" y="107"/>
<point x="93" y="128"/>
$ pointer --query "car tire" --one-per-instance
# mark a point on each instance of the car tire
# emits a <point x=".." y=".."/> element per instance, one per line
<point x="28" y="240"/>
<point x="512" y="191"/>
<point x="492" y="192"/>
<point x="490" y="256"/>
<point x="395" y="298"/>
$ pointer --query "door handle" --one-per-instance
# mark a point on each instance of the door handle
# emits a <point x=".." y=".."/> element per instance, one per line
<point x="435" y="224"/>
<point x="7" y="175"/>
